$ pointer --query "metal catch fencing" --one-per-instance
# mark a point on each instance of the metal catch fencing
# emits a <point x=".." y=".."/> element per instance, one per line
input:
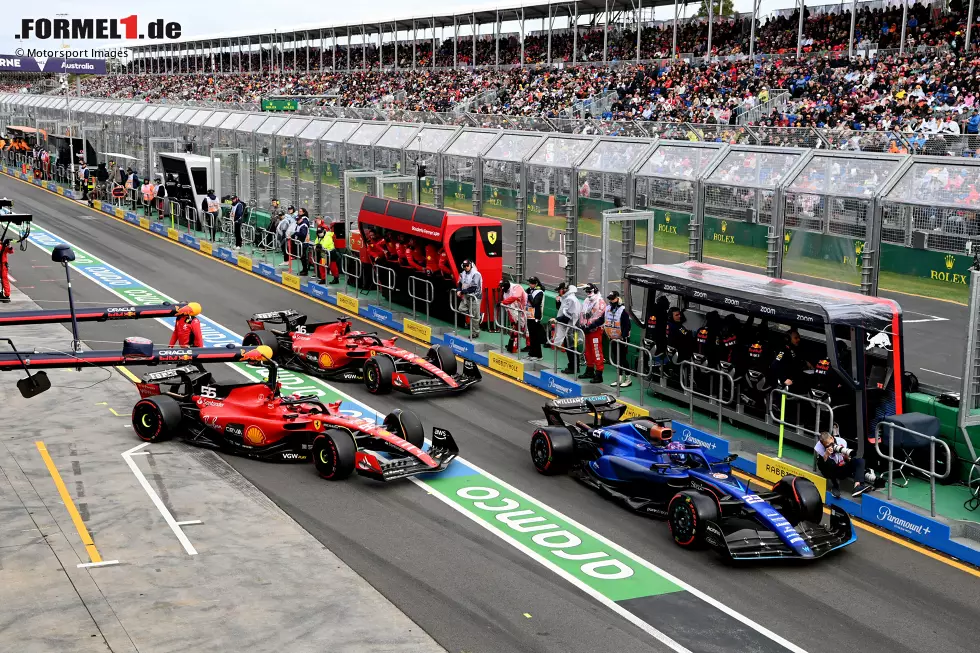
<point x="639" y="364"/>
<point x="906" y="462"/>
<point x="384" y="279"/>
<point x="725" y="382"/>
<point x="468" y="302"/>
<point x="192" y="216"/>
<point x="351" y="266"/>
<point x="422" y="291"/>
<point x="776" y="397"/>
<point x="509" y="326"/>
<point x="566" y="339"/>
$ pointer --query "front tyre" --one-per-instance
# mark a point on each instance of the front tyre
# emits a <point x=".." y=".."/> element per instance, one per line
<point x="552" y="450"/>
<point x="156" y="418"/>
<point x="378" y="373"/>
<point x="443" y="358"/>
<point x="334" y="454"/>
<point x="801" y="500"/>
<point x="406" y="425"/>
<point x="687" y="515"/>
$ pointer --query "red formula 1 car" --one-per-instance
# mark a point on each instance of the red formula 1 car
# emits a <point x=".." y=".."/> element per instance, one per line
<point x="333" y="351"/>
<point x="254" y="420"/>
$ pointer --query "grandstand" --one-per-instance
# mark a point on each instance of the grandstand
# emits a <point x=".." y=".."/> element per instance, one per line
<point x="911" y="69"/>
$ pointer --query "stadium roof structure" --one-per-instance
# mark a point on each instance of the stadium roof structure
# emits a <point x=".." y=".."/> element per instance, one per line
<point x="479" y="15"/>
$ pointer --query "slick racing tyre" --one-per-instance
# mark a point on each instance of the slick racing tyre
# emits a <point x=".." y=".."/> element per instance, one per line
<point x="552" y="450"/>
<point x="156" y="418"/>
<point x="334" y="454"/>
<point x="378" y="372"/>
<point x="443" y="358"/>
<point x="801" y="500"/>
<point x="256" y="338"/>
<point x="406" y="425"/>
<point x="687" y="513"/>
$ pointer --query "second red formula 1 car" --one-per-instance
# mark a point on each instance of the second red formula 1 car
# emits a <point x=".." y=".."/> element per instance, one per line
<point x="253" y="420"/>
<point x="333" y="351"/>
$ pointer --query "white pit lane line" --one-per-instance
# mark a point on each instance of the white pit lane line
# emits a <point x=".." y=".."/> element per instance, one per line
<point x="925" y="318"/>
<point x="612" y="605"/>
<point x="157" y="501"/>
<point x="952" y="376"/>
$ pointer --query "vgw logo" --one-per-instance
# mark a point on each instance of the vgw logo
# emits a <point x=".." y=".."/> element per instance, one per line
<point x="80" y="29"/>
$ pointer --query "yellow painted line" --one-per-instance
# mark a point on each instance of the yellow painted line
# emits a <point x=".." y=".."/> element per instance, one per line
<point x="884" y="534"/>
<point x="113" y="411"/>
<point x="76" y="518"/>
<point x="956" y="564"/>
<point x="129" y="375"/>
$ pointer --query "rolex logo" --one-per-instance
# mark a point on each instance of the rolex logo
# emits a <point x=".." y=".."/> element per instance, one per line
<point x="667" y="217"/>
<point x="858" y="247"/>
<point x="950" y="261"/>
<point x="724" y="226"/>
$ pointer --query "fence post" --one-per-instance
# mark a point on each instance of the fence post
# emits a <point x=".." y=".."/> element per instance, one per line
<point x="413" y="282"/>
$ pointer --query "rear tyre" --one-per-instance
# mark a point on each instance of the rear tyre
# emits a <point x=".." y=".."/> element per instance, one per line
<point x="801" y="500"/>
<point x="443" y="358"/>
<point x="256" y="338"/>
<point x="334" y="454"/>
<point x="687" y="513"/>
<point x="378" y="372"/>
<point x="156" y="418"/>
<point x="406" y="425"/>
<point x="552" y="450"/>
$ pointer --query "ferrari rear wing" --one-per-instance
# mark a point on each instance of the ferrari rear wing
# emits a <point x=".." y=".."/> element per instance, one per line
<point x="91" y="314"/>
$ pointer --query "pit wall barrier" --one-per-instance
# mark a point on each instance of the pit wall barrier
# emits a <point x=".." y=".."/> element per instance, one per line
<point x="890" y="516"/>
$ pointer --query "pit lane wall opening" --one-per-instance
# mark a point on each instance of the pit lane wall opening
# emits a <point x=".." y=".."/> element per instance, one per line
<point x="934" y="533"/>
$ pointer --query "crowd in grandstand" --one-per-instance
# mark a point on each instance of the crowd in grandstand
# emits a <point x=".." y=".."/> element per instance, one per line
<point x="932" y="89"/>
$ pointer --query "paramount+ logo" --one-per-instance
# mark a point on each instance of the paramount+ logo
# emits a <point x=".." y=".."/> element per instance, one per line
<point x="81" y="29"/>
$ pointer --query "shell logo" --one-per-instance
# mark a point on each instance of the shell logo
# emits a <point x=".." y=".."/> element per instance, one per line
<point x="254" y="435"/>
<point x="325" y="361"/>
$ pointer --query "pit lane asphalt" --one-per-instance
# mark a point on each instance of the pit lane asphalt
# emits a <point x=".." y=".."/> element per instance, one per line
<point x="468" y="589"/>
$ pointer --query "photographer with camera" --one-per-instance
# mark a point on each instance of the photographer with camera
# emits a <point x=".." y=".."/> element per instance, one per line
<point x="836" y="461"/>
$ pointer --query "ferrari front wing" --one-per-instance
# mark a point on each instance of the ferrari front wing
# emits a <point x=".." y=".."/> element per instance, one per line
<point x="386" y="467"/>
<point x="470" y="375"/>
<point x="739" y="541"/>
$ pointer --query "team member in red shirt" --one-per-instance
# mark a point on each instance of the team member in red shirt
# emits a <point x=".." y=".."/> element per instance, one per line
<point x="187" y="329"/>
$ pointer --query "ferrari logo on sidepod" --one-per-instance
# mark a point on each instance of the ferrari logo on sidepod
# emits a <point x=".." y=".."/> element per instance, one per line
<point x="492" y="237"/>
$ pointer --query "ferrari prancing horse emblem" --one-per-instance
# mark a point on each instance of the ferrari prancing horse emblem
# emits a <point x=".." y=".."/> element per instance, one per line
<point x="492" y="237"/>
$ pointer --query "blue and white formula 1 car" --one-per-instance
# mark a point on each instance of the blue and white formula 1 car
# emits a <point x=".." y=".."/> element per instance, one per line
<point x="636" y="463"/>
